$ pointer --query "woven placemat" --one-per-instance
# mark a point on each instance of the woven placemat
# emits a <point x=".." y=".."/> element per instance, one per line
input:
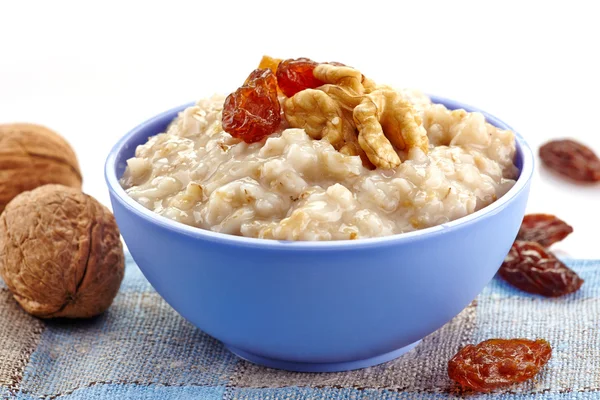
<point x="142" y="349"/>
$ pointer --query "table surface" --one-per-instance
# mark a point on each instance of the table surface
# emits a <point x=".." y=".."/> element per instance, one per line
<point x="92" y="72"/>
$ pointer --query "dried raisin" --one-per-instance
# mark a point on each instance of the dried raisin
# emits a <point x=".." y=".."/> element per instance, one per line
<point x="270" y="63"/>
<point x="544" y="229"/>
<point x="296" y="75"/>
<point x="253" y="111"/>
<point x="531" y="268"/>
<point x="497" y="363"/>
<point x="571" y="159"/>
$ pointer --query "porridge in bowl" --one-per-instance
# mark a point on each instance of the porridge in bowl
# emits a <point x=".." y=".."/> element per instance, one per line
<point x="307" y="151"/>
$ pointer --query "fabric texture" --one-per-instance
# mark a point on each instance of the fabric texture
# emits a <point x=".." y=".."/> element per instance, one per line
<point x="142" y="349"/>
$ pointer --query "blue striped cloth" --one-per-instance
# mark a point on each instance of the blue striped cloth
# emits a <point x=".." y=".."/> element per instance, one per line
<point x="142" y="349"/>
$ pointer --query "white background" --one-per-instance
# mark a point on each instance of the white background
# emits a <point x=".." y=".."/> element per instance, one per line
<point x="94" y="70"/>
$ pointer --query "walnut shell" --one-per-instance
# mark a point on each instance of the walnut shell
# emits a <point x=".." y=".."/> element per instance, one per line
<point x="32" y="156"/>
<point x="60" y="253"/>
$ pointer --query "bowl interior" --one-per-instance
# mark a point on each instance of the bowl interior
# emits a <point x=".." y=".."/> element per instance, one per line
<point x="125" y="149"/>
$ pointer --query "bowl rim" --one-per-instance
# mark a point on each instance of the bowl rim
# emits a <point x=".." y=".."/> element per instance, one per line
<point x="118" y="193"/>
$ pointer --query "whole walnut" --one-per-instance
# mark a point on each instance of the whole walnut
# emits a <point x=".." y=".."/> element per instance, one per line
<point x="32" y="156"/>
<point x="60" y="253"/>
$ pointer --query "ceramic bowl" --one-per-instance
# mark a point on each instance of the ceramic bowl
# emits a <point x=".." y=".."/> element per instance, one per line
<point x="318" y="306"/>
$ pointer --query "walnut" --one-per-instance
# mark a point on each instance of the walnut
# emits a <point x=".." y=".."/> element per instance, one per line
<point x="326" y="113"/>
<point x="340" y="76"/>
<point x="316" y="112"/>
<point x="368" y="84"/>
<point x="60" y="253"/>
<point x="32" y="156"/>
<point x="348" y="99"/>
<point x="384" y="118"/>
<point x="345" y="96"/>
<point x="357" y="116"/>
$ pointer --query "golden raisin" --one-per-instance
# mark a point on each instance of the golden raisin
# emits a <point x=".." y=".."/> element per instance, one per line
<point x="296" y="75"/>
<point x="253" y="111"/>
<point x="270" y="63"/>
<point x="497" y="363"/>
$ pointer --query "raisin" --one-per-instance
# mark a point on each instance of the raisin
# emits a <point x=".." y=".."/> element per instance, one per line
<point x="497" y="363"/>
<point x="533" y="269"/>
<point x="571" y="159"/>
<point x="270" y="63"/>
<point x="253" y="111"/>
<point x="294" y="76"/>
<point x="544" y="229"/>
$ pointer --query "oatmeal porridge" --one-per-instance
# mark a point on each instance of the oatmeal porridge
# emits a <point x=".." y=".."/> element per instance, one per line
<point x="346" y="159"/>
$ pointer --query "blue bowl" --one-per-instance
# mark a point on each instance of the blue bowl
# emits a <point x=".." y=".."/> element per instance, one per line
<point x="318" y="306"/>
